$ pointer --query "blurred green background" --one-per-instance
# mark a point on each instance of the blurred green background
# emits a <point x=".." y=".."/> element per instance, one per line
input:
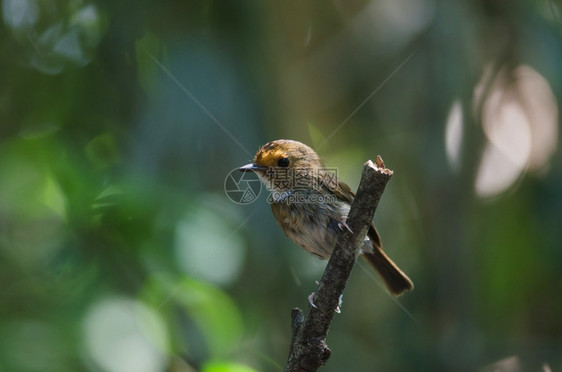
<point x="119" y="122"/>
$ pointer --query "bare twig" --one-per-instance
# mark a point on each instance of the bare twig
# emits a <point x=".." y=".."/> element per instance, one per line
<point x="309" y="350"/>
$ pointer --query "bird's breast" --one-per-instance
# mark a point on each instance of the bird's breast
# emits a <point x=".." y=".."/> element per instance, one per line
<point x="311" y="225"/>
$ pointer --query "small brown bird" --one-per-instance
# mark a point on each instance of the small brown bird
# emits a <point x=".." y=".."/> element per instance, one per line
<point x="311" y="204"/>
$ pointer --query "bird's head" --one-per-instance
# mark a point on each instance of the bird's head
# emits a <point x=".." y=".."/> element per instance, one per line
<point x="279" y="158"/>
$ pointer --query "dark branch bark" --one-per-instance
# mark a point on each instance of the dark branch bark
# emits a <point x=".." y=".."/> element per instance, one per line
<point x="308" y="349"/>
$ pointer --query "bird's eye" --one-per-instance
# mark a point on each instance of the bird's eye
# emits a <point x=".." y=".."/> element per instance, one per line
<point x="283" y="162"/>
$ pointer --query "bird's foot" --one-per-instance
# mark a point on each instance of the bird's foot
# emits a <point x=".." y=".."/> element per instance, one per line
<point x="311" y="300"/>
<point x="340" y="302"/>
<point x="343" y="224"/>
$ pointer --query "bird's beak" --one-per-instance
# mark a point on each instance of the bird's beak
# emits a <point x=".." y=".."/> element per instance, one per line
<point x="249" y="167"/>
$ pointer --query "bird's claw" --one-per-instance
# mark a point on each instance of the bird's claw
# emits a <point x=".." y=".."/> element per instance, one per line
<point x="340" y="302"/>
<point x="311" y="300"/>
<point x="343" y="224"/>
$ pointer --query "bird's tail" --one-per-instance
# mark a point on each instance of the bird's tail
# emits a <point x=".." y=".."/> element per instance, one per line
<point x="394" y="278"/>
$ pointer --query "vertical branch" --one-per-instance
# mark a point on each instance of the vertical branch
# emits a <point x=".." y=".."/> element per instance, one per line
<point x="309" y="350"/>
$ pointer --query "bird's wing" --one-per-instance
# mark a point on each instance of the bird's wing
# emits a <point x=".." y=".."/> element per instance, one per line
<point x="343" y="192"/>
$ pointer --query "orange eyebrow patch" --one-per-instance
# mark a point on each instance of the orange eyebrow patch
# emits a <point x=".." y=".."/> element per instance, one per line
<point x="269" y="157"/>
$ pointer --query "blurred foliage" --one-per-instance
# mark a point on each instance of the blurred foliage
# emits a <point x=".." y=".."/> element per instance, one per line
<point x="119" y="122"/>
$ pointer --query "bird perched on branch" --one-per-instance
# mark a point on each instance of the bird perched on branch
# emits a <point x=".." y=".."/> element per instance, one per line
<point x="311" y="205"/>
